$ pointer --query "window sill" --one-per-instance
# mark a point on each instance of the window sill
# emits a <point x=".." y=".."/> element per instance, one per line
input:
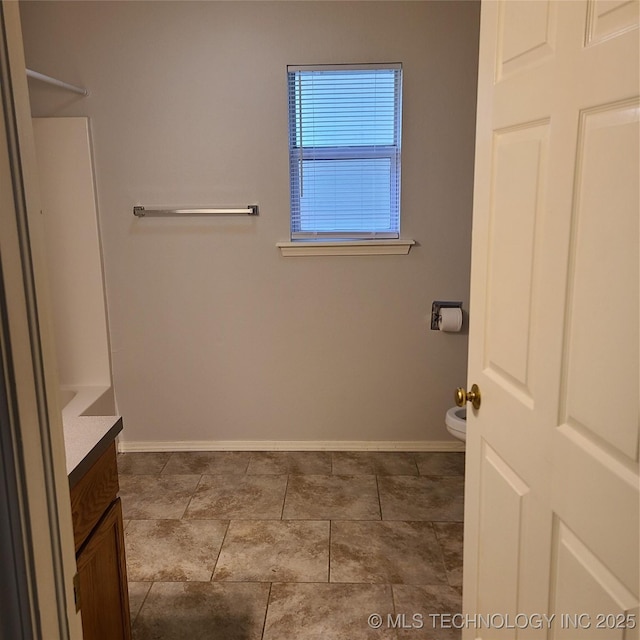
<point x="347" y="248"/>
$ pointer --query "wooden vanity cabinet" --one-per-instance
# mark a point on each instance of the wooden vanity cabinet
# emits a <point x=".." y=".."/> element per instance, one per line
<point x="101" y="585"/>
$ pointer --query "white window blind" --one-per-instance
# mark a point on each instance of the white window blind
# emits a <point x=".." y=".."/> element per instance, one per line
<point x="344" y="151"/>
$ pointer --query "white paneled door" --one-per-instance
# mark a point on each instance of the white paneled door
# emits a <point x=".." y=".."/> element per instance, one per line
<point x="552" y="501"/>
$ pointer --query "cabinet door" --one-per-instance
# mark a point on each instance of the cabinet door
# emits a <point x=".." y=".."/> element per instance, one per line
<point x="102" y="576"/>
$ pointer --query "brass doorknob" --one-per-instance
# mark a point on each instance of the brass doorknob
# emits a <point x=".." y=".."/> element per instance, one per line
<point x="472" y="396"/>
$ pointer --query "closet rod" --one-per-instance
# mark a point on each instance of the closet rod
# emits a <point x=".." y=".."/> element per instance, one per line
<point x="58" y="83"/>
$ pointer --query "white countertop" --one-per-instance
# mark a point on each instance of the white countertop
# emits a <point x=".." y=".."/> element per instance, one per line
<point x="86" y="437"/>
<point x="82" y="434"/>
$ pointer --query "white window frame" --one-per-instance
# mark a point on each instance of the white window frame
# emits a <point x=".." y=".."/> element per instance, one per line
<point x="305" y="242"/>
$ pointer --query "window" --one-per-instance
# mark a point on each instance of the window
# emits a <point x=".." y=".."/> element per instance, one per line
<point x="344" y="151"/>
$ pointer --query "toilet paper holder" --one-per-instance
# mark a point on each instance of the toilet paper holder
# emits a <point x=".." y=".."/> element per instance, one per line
<point x="435" y="310"/>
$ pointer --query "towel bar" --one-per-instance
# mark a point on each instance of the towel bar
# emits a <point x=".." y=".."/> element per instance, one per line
<point x="144" y="212"/>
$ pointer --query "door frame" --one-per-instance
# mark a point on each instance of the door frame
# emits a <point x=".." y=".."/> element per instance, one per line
<point x="41" y="541"/>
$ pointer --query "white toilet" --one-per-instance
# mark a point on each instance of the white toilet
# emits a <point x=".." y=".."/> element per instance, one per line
<point x="456" y="421"/>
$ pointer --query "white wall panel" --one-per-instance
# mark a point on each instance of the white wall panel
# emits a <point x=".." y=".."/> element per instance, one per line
<point x="602" y="398"/>
<point x="587" y="600"/>
<point x="504" y="512"/>
<point x="526" y="35"/>
<point x="519" y="167"/>
<point x="610" y="18"/>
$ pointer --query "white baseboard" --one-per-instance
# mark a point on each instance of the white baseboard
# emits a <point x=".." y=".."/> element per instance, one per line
<point x="290" y="445"/>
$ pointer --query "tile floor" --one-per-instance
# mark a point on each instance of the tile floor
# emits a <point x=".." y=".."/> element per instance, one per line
<point x="292" y="545"/>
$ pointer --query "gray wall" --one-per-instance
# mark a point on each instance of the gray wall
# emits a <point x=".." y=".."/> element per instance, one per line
<point x="214" y="335"/>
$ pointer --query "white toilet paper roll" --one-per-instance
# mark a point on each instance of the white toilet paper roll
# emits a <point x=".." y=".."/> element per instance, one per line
<point x="450" y="319"/>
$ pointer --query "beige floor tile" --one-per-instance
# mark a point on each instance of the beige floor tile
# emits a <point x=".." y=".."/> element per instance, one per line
<point x="145" y="463"/>
<point x="450" y="538"/>
<point x="207" y="462"/>
<point x="422" y="498"/>
<point x="393" y="548"/>
<point x="147" y="497"/>
<point x="202" y="611"/>
<point x="275" y="551"/>
<point x="332" y="498"/>
<point x="328" y="612"/>
<point x="428" y="604"/>
<point x="247" y="497"/>
<point x="374" y="462"/>
<point x="290" y="462"/>
<point x="137" y="593"/>
<point x="386" y="551"/>
<point x="440" y="463"/>
<point x="173" y="550"/>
